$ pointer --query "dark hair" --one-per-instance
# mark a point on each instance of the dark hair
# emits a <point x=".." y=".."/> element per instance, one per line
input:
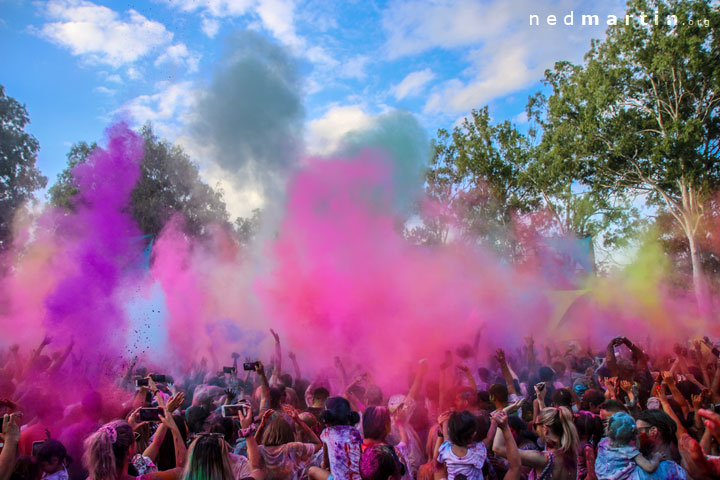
<point x="591" y="399"/>
<point x="276" y="396"/>
<point x="499" y="391"/>
<point x="196" y="416"/>
<point x="338" y="412"/>
<point x="376" y="423"/>
<point x="226" y="426"/>
<point x="320" y="394"/>
<point x="380" y="462"/>
<point x="521" y="429"/>
<point x="461" y="428"/>
<point x="286" y="379"/>
<point x="589" y="425"/>
<point x="166" y="454"/>
<point x="26" y="468"/>
<point x="613" y="406"/>
<point x="467" y="394"/>
<point x="562" y="398"/>
<point x="483" y="426"/>
<point x="52" y="448"/>
<point x="546" y="374"/>
<point x="664" y="423"/>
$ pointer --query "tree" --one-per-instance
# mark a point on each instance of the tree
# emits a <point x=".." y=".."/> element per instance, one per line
<point x="19" y="177"/>
<point x="641" y="114"/>
<point x="475" y="180"/>
<point x="170" y="183"/>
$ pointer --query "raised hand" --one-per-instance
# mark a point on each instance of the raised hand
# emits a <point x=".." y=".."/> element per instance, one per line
<point x="277" y="337"/>
<point x="134" y="419"/>
<point x="423" y="366"/>
<point x="291" y="412"/>
<point x="500" y="356"/>
<point x="500" y="418"/>
<point x="667" y="377"/>
<point x="245" y="416"/>
<point x="175" y="401"/>
<point x="626" y="386"/>
<point x="10" y="428"/>
<point x="167" y="419"/>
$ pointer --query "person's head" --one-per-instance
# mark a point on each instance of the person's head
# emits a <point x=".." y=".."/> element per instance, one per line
<point x="555" y="426"/>
<point x="589" y="426"/>
<point x="320" y="396"/>
<point x="483" y="401"/>
<point x="308" y="419"/>
<point x="498" y="394"/>
<point x="196" y="416"/>
<point x="591" y="400"/>
<point x="376" y="423"/>
<point x="559" y="368"/>
<point x="52" y="456"/>
<point x="226" y="427"/>
<point x="108" y="450"/>
<point x="654" y="427"/>
<point x="521" y="432"/>
<point x="26" y="468"/>
<point x="286" y="380"/>
<point x="208" y="459"/>
<point x="546" y="374"/>
<point x="465" y="398"/>
<point x="277" y="397"/>
<point x="609" y="408"/>
<point x="374" y="395"/>
<point x="381" y="462"/>
<point x="278" y="432"/>
<point x="338" y="412"/>
<point x="462" y="426"/>
<point x="562" y="398"/>
<point x="620" y="428"/>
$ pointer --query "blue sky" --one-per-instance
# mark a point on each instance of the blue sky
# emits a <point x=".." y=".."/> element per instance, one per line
<point x="78" y="64"/>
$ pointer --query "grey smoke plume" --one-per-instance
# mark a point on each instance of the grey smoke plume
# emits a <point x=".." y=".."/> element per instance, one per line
<point x="251" y="115"/>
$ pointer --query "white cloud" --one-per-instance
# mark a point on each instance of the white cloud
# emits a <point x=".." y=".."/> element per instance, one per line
<point x="210" y="26"/>
<point x="505" y="54"/>
<point x="101" y="34"/>
<point x="413" y="83"/>
<point x="104" y="90"/>
<point x="179" y="54"/>
<point x="168" y="108"/>
<point x="355" y="67"/>
<point x="324" y="134"/>
<point x="414" y="26"/>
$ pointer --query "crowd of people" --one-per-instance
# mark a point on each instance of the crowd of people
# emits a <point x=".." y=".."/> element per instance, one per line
<point x="561" y="412"/>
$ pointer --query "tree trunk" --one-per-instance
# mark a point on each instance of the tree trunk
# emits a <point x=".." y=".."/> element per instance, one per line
<point x="699" y="285"/>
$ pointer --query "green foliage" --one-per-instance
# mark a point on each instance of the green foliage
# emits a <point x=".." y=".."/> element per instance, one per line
<point x="19" y="177"/>
<point x="170" y="183"/>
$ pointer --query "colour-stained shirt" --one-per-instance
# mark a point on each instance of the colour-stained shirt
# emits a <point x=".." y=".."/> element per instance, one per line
<point x="616" y="462"/>
<point x="286" y="462"/>
<point x="343" y="445"/>
<point x="469" y="465"/>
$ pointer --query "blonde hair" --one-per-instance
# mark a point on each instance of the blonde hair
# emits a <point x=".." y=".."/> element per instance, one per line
<point x="559" y="421"/>
<point x="107" y="449"/>
<point x="208" y="459"/>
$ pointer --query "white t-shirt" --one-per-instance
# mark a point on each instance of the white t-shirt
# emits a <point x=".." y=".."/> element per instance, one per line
<point x="470" y="465"/>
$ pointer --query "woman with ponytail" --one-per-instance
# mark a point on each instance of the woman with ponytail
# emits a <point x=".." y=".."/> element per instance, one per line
<point x="109" y="450"/>
<point x="559" y="459"/>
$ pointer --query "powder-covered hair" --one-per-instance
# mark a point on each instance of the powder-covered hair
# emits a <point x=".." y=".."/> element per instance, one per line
<point x="106" y="450"/>
<point x="208" y="459"/>
<point x="559" y="421"/>
<point x="621" y="428"/>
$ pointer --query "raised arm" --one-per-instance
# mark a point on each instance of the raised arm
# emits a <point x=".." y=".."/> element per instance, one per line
<point x="295" y="415"/>
<point x="278" y="359"/>
<point x="296" y="367"/>
<point x="419" y="376"/>
<point x="264" y="386"/>
<point x="500" y="356"/>
<point x="11" y="437"/>
<point x="254" y="455"/>
<point x="512" y="453"/>
<point x="669" y="380"/>
<point x="180" y="450"/>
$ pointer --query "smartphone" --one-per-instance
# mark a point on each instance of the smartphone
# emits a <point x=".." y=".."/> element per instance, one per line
<point x="716" y="408"/>
<point x="541" y="386"/>
<point x="158" y="378"/>
<point x="250" y="366"/>
<point x="234" y="410"/>
<point x="229" y="370"/>
<point x="150" y="414"/>
<point x="142" y="382"/>
<point x="36" y="446"/>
